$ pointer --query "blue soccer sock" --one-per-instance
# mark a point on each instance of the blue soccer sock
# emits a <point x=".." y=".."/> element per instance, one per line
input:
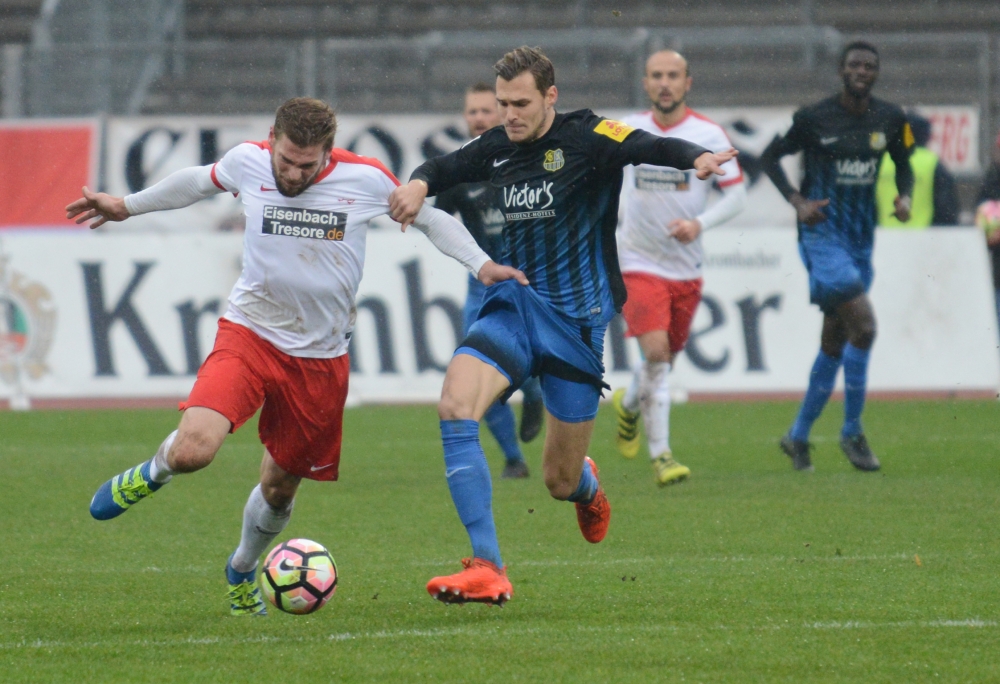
<point x="470" y="485"/>
<point x="855" y="386"/>
<point x="821" y="381"/>
<point x="586" y="490"/>
<point x="500" y="419"/>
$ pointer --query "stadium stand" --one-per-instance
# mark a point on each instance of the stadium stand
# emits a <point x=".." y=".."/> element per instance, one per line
<point x="16" y="19"/>
<point x="214" y="56"/>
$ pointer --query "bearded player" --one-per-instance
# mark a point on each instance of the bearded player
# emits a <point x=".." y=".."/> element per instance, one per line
<point x="282" y="342"/>
<point x="557" y="178"/>
<point x="473" y="204"/>
<point x="842" y="139"/>
<point x="660" y="252"/>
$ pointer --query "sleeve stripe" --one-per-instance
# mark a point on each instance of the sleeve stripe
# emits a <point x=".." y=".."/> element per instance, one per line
<point x="215" y="179"/>
<point x="733" y="181"/>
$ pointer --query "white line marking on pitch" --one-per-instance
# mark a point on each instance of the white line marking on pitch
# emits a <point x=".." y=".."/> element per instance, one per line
<point x="671" y="560"/>
<point x="971" y="623"/>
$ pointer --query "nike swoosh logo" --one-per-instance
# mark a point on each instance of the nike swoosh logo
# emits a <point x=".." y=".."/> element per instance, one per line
<point x="449" y="473"/>
<point x="476" y="193"/>
<point x="829" y="141"/>
<point x="263" y="189"/>
<point x="497" y="162"/>
<point x="314" y="468"/>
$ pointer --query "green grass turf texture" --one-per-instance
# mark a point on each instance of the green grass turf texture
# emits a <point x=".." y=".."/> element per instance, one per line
<point x="749" y="571"/>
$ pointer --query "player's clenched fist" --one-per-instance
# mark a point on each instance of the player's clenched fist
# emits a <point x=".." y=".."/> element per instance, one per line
<point x="406" y="200"/>
<point x="99" y="205"/>
<point x="708" y="163"/>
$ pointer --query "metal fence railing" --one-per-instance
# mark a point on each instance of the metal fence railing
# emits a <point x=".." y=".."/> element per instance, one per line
<point x="139" y="61"/>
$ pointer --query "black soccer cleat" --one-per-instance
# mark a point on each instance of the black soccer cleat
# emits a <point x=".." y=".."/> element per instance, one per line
<point x="515" y="470"/>
<point x="859" y="453"/>
<point x="531" y="420"/>
<point x="798" y="452"/>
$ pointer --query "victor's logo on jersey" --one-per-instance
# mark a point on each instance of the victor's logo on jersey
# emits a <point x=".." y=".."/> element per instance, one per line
<point x="662" y="179"/>
<point x="615" y="130"/>
<point x="304" y="223"/>
<point x="877" y="141"/>
<point x="856" y="171"/>
<point x="553" y="160"/>
<point x="535" y="200"/>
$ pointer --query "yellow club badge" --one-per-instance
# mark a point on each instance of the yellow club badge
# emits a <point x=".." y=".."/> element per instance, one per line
<point x="554" y="160"/>
<point x="877" y="141"/>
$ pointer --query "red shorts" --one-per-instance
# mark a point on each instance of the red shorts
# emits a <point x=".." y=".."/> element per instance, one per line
<point x="656" y="303"/>
<point x="302" y="420"/>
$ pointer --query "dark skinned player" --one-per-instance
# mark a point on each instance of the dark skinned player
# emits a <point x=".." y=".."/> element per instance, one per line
<point x="842" y="139"/>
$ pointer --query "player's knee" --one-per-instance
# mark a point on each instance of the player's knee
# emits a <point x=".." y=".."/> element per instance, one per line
<point x="833" y="349"/>
<point x="450" y="408"/>
<point x="659" y="355"/>
<point x="191" y="451"/>
<point x="863" y="336"/>
<point x="278" y="496"/>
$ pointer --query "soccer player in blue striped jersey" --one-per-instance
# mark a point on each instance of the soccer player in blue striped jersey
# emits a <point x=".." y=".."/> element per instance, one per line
<point x="842" y="139"/>
<point x="557" y="178"/>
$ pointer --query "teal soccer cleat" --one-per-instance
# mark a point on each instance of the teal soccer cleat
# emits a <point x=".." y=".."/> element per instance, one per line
<point x="122" y="491"/>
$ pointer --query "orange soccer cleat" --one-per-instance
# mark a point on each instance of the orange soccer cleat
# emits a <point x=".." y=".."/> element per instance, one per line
<point x="595" y="516"/>
<point x="480" y="582"/>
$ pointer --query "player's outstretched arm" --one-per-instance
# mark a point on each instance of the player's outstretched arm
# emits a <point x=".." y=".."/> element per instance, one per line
<point x="406" y="201"/>
<point x="710" y="163"/>
<point x="641" y="147"/>
<point x="179" y="189"/>
<point x="464" y="165"/>
<point x="454" y="239"/>
<point x="97" y="205"/>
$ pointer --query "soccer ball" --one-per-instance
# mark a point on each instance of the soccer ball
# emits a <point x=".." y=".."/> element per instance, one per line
<point x="988" y="216"/>
<point x="299" y="576"/>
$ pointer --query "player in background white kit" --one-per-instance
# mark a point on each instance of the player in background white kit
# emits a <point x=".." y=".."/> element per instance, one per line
<point x="282" y="342"/>
<point x="660" y="252"/>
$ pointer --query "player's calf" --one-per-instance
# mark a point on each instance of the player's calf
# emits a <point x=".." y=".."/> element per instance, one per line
<point x="199" y="437"/>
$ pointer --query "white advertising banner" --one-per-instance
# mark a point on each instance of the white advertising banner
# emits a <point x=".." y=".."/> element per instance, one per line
<point x="143" y="150"/>
<point x="90" y="316"/>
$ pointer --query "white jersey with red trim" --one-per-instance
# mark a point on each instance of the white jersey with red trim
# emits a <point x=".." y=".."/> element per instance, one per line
<point x="653" y="196"/>
<point x="303" y="257"/>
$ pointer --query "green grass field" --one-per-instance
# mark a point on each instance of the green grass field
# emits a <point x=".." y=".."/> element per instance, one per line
<point x="747" y="572"/>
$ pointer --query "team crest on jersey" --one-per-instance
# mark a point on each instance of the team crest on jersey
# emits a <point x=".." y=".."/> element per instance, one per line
<point x="877" y="141"/>
<point x="554" y="160"/>
<point x="615" y="130"/>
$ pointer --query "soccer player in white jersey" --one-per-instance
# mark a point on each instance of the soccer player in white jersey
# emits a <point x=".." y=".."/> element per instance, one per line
<point x="282" y="342"/>
<point x="660" y="253"/>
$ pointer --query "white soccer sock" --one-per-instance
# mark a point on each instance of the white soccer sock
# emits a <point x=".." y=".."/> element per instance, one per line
<point x="631" y="399"/>
<point x="261" y="524"/>
<point x="654" y="400"/>
<point x="159" y="470"/>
